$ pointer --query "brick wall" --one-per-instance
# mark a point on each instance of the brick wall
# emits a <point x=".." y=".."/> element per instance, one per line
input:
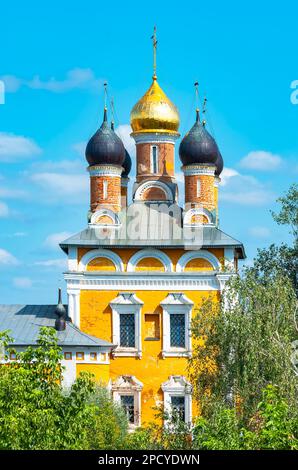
<point x="113" y="199"/>
<point x="166" y="156"/>
<point x="205" y="197"/>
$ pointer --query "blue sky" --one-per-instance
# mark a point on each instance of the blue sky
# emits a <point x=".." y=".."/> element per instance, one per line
<point x="54" y="59"/>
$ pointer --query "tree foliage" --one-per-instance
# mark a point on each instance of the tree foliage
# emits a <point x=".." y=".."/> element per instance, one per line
<point x="36" y="413"/>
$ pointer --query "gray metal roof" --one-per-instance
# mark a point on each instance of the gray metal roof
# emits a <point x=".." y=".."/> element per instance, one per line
<point x="205" y="237"/>
<point x="24" y="322"/>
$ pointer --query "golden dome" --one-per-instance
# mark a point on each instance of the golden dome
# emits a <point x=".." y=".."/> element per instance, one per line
<point x="154" y="112"/>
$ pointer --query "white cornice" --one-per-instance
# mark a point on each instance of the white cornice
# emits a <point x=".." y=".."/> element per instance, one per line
<point x="105" y="170"/>
<point x="195" y="170"/>
<point x="154" y="138"/>
<point x="204" y="281"/>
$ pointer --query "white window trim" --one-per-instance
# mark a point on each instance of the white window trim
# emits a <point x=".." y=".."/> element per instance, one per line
<point x="198" y="187"/>
<point x="101" y="253"/>
<point x="149" y="253"/>
<point x="203" y="254"/>
<point x="151" y="159"/>
<point x="177" y="386"/>
<point x="129" y="385"/>
<point x="174" y="304"/>
<point x="126" y="303"/>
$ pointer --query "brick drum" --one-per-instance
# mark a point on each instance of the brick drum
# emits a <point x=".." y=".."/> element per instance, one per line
<point x="205" y="198"/>
<point x="113" y="200"/>
<point x="166" y="157"/>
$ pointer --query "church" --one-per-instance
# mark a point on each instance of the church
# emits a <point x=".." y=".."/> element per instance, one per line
<point x="139" y="271"/>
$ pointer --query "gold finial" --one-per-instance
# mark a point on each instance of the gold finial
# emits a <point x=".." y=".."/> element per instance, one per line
<point x="154" y="42"/>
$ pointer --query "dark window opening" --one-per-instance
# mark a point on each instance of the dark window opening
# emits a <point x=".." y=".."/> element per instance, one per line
<point x="127" y="402"/>
<point x="177" y="328"/>
<point x="178" y="407"/>
<point x="127" y="330"/>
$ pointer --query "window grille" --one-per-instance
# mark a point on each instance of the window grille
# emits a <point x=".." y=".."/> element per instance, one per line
<point x="127" y="402"/>
<point x="177" y="327"/>
<point x="127" y="330"/>
<point x="178" y="407"/>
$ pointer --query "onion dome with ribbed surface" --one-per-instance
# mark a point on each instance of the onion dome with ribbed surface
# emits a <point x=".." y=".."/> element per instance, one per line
<point x="199" y="147"/>
<point x="126" y="165"/>
<point x="105" y="147"/>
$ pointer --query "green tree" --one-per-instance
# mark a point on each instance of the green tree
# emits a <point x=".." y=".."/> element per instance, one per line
<point x="283" y="258"/>
<point x="246" y="343"/>
<point x="37" y="413"/>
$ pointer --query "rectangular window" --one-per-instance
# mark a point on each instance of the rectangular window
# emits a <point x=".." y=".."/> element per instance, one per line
<point x="68" y="356"/>
<point x="178" y="407"/>
<point x="127" y="402"/>
<point x="80" y="356"/>
<point x="93" y="356"/>
<point x="12" y="356"/>
<point x="103" y="357"/>
<point x="177" y="330"/>
<point x="127" y="330"/>
<point x="154" y="159"/>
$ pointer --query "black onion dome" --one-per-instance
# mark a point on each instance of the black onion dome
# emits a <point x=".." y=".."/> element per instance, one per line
<point x="219" y="164"/>
<point x="105" y="147"/>
<point x="126" y="165"/>
<point x="198" y="146"/>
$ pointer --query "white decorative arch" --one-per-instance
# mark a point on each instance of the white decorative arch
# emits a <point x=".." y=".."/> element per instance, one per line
<point x="197" y="211"/>
<point x="203" y="254"/>
<point x="150" y="253"/>
<point x="153" y="184"/>
<point x="103" y="253"/>
<point x="104" y="212"/>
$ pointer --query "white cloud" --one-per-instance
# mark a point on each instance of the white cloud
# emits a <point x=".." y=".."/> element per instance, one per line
<point x="4" y="211"/>
<point x="259" y="232"/>
<point x="71" y="187"/>
<point x="244" y="190"/>
<point x="261" y="160"/>
<point x="75" y="78"/>
<point x="226" y="174"/>
<point x="22" y="282"/>
<point x="15" y="147"/>
<point x="13" y="193"/>
<point x="52" y="263"/>
<point x="69" y="166"/>
<point x="52" y="241"/>
<point x="124" y="131"/>
<point x="7" y="259"/>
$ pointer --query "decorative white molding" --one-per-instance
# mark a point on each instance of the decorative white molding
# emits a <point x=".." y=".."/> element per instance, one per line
<point x="176" y="303"/>
<point x="74" y="305"/>
<point x="184" y="281"/>
<point x="105" y="170"/>
<point x="195" y="170"/>
<point x="154" y="138"/>
<point x="100" y="253"/>
<point x="177" y="385"/>
<point x="197" y="211"/>
<point x="104" y="212"/>
<point x="203" y="254"/>
<point x="229" y="258"/>
<point x="149" y="253"/>
<point x="129" y="385"/>
<point x="153" y="184"/>
<point x="127" y="303"/>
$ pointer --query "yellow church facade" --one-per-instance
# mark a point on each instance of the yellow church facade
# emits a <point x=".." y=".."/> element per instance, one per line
<point x="139" y="272"/>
